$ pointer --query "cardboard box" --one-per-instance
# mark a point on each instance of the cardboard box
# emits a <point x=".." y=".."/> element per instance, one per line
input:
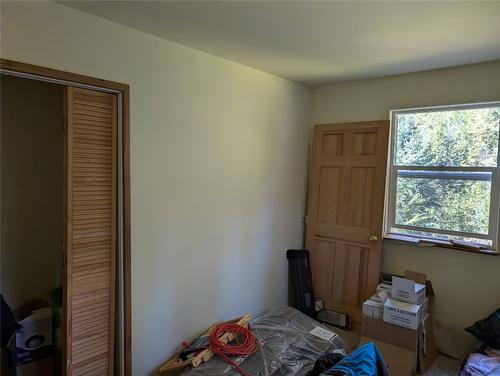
<point x="403" y="314"/>
<point x="420" y="342"/>
<point x="384" y="286"/>
<point x="407" y="290"/>
<point x="399" y="361"/>
<point x="34" y="338"/>
<point x="425" y="307"/>
<point x="380" y="297"/>
<point x="418" y="278"/>
<point x="373" y="309"/>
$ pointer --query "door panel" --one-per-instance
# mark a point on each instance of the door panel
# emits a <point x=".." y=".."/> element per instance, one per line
<point x="346" y="194"/>
<point x="323" y="277"/>
<point x="361" y="196"/>
<point x="91" y="121"/>
<point x="329" y="191"/>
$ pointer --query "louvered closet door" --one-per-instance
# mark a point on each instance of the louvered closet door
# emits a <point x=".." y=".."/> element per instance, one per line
<point x="91" y="122"/>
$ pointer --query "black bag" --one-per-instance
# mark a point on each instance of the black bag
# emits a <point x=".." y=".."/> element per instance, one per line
<point x="487" y="330"/>
<point x="8" y="326"/>
<point x="324" y="363"/>
<point x="299" y="281"/>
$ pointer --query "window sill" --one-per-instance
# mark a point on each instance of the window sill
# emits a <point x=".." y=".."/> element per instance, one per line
<point x="439" y="244"/>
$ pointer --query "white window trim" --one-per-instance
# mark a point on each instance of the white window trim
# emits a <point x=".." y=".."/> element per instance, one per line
<point x="391" y="180"/>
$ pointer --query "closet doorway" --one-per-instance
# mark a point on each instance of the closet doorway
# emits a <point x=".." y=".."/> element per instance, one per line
<point x="65" y="220"/>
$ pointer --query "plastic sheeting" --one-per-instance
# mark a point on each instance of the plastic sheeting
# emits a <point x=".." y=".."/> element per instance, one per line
<point x="480" y="364"/>
<point x="289" y="344"/>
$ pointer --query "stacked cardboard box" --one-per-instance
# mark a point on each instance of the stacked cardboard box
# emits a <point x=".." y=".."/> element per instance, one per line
<point x="384" y="286"/>
<point x="374" y="307"/>
<point x="406" y="307"/>
<point x="398" y="315"/>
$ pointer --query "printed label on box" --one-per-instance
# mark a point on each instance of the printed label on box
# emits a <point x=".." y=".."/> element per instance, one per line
<point x="406" y="290"/>
<point x="402" y="314"/>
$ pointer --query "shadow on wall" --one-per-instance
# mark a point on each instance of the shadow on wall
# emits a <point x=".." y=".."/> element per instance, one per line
<point x="466" y="284"/>
<point x="236" y="262"/>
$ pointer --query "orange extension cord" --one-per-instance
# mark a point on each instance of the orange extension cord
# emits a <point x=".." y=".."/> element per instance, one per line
<point x="248" y="346"/>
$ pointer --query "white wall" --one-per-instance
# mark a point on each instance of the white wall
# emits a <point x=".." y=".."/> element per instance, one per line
<point x="466" y="284"/>
<point x="218" y="170"/>
<point x="32" y="189"/>
<point x="219" y="161"/>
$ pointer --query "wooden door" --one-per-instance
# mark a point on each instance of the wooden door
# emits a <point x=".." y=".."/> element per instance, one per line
<point x="345" y="212"/>
<point x="91" y="122"/>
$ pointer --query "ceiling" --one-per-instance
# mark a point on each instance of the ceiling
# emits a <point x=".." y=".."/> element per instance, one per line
<point x="316" y="42"/>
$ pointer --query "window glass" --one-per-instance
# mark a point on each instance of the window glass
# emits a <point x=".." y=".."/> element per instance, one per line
<point x="446" y="204"/>
<point x="462" y="137"/>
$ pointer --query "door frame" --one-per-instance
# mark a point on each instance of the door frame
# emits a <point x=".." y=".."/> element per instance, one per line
<point x="123" y="90"/>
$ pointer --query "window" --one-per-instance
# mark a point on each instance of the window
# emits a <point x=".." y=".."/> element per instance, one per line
<point x="443" y="181"/>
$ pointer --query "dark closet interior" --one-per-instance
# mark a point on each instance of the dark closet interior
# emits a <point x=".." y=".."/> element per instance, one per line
<point x="32" y="198"/>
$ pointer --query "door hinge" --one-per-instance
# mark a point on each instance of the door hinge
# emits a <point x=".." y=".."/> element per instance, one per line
<point x="306" y="219"/>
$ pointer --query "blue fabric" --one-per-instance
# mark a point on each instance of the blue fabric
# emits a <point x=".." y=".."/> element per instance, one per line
<point x="363" y="361"/>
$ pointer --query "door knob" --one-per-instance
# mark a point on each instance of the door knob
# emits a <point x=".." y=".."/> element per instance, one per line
<point x="373" y="238"/>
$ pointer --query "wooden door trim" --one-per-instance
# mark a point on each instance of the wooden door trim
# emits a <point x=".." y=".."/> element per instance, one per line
<point x="61" y="75"/>
<point x="124" y="89"/>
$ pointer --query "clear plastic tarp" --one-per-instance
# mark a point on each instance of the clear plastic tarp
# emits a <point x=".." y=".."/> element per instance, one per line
<point x="289" y="344"/>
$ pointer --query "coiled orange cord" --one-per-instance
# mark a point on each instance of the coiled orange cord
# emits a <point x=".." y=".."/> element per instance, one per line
<point x="247" y="346"/>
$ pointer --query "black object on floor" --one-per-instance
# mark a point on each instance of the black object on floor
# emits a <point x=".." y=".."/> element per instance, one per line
<point x="487" y="330"/>
<point x="324" y="363"/>
<point x="300" y="291"/>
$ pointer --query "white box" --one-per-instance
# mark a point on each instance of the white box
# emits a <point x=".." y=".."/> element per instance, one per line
<point x="402" y="314"/>
<point x="380" y="297"/>
<point x="385" y="287"/>
<point x="406" y="290"/>
<point x="34" y="337"/>
<point x="373" y="309"/>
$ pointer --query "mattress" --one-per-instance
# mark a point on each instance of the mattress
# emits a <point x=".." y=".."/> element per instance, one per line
<point x="289" y="344"/>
